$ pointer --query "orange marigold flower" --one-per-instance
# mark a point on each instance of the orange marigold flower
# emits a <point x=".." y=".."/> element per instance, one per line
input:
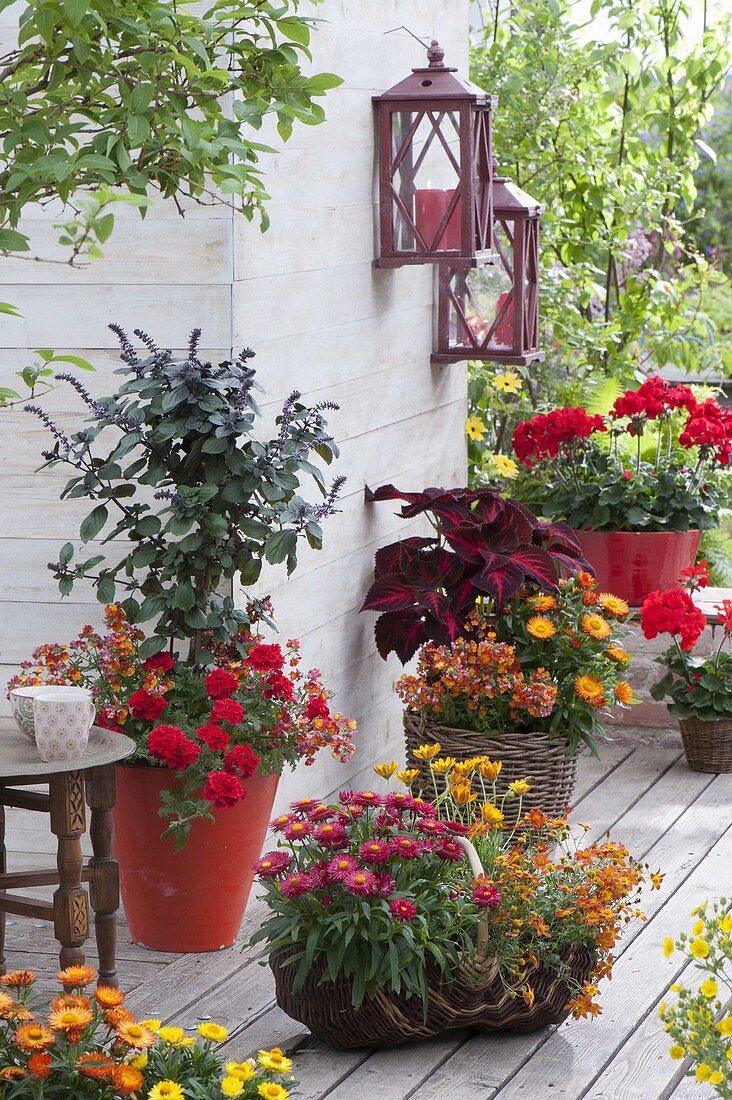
<point x="108" y="997"/>
<point x="70" y="1019"/>
<point x="39" y="1065"/>
<point x="126" y="1079"/>
<point x="34" y="1036"/>
<point x="96" y="1065"/>
<point x="613" y="605"/>
<point x="18" y="979"/>
<point x="135" y="1035"/>
<point x="590" y="689"/>
<point x="623" y="692"/>
<point x="76" y="977"/>
<point x="595" y="627"/>
<point x="540" y="627"/>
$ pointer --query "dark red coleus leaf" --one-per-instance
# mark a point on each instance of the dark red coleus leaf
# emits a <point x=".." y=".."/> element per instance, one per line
<point x="388" y="558"/>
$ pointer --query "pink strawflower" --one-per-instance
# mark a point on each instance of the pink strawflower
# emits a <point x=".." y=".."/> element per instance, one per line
<point x="297" y="830"/>
<point x="367" y="798"/>
<point x="375" y="851"/>
<point x="449" y="849"/>
<point x="403" y="909"/>
<point x="486" y="897"/>
<point x="331" y="834"/>
<point x="272" y="864"/>
<point x="341" y="866"/>
<point x="361" y="882"/>
<point x="295" y="884"/>
<point x="406" y="847"/>
<point x="305" y="805"/>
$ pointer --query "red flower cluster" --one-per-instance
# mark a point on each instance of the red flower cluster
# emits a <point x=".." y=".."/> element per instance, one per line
<point x="672" y="612"/>
<point x="265" y="658"/>
<point x="710" y="427"/>
<point x="652" y="399"/>
<point x="242" y="760"/>
<point x="213" y="736"/>
<point x="145" y="705"/>
<point x="223" y="789"/>
<point x="161" y="662"/>
<point x="171" y="747"/>
<point x="227" y="710"/>
<point x="724" y="615"/>
<point x="220" y="683"/>
<point x="696" y="577"/>
<point x="545" y="434"/>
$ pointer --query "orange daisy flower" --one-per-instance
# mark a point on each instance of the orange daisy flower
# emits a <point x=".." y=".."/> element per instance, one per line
<point x="20" y="1012"/>
<point x="69" y="1000"/>
<point x="126" y="1079"/>
<point x="108" y="997"/>
<point x="76" y="977"/>
<point x="70" y="1019"/>
<point x="18" y="979"/>
<point x="596" y="627"/>
<point x="135" y="1035"/>
<point x="613" y="605"/>
<point x="96" y="1066"/>
<point x="33" y="1036"/>
<point x="39" y="1065"/>
<point x="623" y="692"/>
<point x="590" y="689"/>
<point x="117" y="1016"/>
<point x="540" y="627"/>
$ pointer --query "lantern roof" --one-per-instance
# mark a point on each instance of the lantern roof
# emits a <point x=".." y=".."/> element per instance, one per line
<point x="509" y="200"/>
<point x="436" y="81"/>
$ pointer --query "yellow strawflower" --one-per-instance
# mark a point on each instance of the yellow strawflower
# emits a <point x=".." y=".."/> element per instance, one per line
<point x="474" y="428"/>
<point x="166" y="1090"/>
<point x="386" y="770"/>
<point x="215" y="1033"/>
<point x="677" y="1052"/>
<point x="708" y="988"/>
<point x="426" y="752"/>
<point x="243" y="1071"/>
<point x="172" y="1035"/>
<point x="268" y="1090"/>
<point x="151" y="1025"/>
<point x="231" y="1086"/>
<point x="274" y="1060"/>
<point x="139" y="1061"/>
<point x="668" y="946"/>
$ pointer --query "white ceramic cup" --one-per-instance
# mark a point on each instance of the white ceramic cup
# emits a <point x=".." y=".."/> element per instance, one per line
<point x="62" y="724"/>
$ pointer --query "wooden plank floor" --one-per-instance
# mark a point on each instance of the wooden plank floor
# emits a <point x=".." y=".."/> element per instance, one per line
<point x="675" y="819"/>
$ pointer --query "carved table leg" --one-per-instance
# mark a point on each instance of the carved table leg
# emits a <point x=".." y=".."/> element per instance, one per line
<point x="3" y="867"/>
<point x="104" y="886"/>
<point x="70" y="905"/>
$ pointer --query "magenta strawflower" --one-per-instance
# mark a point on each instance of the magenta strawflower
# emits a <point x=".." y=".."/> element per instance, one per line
<point x="431" y="826"/>
<point x="367" y="798"/>
<point x="297" y="830"/>
<point x="339" y="867"/>
<point x="361" y="882"/>
<point x="305" y="805"/>
<point x="295" y="884"/>
<point x="272" y="864"/>
<point x="406" y="847"/>
<point x="403" y="909"/>
<point x="331" y="834"/>
<point x="384" y="884"/>
<point x="399" y="800"/>
<point x="486" y="897"/>
<point x="375" y="851"/>
<point x="449" y="849"/>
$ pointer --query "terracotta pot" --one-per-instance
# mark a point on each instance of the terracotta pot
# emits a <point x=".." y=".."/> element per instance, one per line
<point x="192" y="900"/>
<point x="633" y="563"/>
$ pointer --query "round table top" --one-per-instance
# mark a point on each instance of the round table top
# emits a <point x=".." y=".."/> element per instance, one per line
<point x="19" y="755"/>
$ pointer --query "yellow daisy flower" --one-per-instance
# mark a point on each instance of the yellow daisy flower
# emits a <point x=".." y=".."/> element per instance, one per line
<point x="462" y="793"/>
<point x="243" y="1071"/>
<point x="426" y="752"/>
<point x="668" y="946"/>
<point x="540" y="627"/>
<point x="491" y="814"/>
<point x="519" y="786"/>
<point x="274" y="1060"/>
<point x="699" y="948"/>
<point x="613" y="605"/>
<point x="230" y="1086"/>
<point x="490" y="769"/>
<point x="508" y="382"/>
<point x="677" y="1052"/>
<point x="386" y="770"/>
<point x="594" y="626"/>
<point x="474" y="428"/>
<point x="166" y="1090"/>
<point x="443" y="764"/>
<point x="408" y="776"/>
<point x="709" y="988"/>
<point x="214" y="1033"/>
<point x="504" y="466"/>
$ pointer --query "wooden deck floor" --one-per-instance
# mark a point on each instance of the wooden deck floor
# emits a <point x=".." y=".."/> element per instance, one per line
<point x="676" y="819"/>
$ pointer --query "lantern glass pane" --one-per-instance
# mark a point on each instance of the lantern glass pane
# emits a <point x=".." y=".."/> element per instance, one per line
<point x="425" y="157"/>
<point x="485" y="295"/>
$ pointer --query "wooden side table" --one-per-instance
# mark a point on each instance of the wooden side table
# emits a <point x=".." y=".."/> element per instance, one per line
<point x="68" y="782"/>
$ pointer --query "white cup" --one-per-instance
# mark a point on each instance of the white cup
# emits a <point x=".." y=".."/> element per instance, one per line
<point x="62" y="723"/>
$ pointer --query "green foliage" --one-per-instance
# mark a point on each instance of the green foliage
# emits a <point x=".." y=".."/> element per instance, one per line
<point x="185" y="481"/>
<point x="711" y="229"/>
<point x="697" y="687"/>
<point x="604" y="133"/>
<point x="115" y="100"/>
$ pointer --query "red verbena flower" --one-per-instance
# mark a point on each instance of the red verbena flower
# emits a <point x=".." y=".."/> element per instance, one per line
<point x="242" y="760"/>
<point x="220" y="683"/>
<point x="227" y="710"/>
<point x="223" y="789"/>
<point x="672" y="612"/>
<point x="403" y="909"/>
<point x="213" y="736"/>
<point x="265" y="658"/>
<point x="272" y="864"/>
<point x="171" y="746"/>
<point x="144" y="705"/>
<point x="277" y="686"/>
<point x="160" y="662"/>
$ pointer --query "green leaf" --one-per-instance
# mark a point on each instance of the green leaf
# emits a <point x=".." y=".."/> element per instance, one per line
<point x="280" y="546"/>
<point x="66" y="553"/>
<point x="105" y="589"/>
<point x="10" y="310"/>
<point x="94" y="523"/>
<point x="13" y="241"/>
<point x="75" y="10"/>
<point x="75" y="360"/>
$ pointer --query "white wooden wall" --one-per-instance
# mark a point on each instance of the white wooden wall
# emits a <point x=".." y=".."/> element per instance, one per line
<point x="306" y="297"/>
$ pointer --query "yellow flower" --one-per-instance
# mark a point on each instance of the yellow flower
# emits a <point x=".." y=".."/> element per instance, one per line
<point x="242" y="1071"/>
<point x="139" y="1061"/>
<point x="135" y="1035"/>
<point x="613" y="605"/>
<point x="590" y="689"/>
<point x="386" y="770"/>
<point x="426" y="752"/>
<point x="699" y="948"/>
<point x="443" y="764"/>
<point x="230" y="1086"/>
<point x="268" y="1090"/>
<point x="725" y="924"/>
<point x="703" y="1072"/>
<point x="618" y="654"/>
<point x="215" y="1033"/>
<point x="491" y="814"/>
<point x="508" y="382"/>
<point x="519" y="786"/>
<point x="490" y="769"/>
<point x="715" y="1077"/>
<point x="474" y="428"/>
<point x="594" y="626"/>
<point x="462" y="794"/>
<point x="274" y="1060"/>
<point x="708" y="988"/>
<point x="408" y="776"/>
<point x="623" y="692"/>
<point x="504" y="466"/>
<point x="540" y="627"/>
<point x="166" y="1090"/>
<point x="152" y="1025"/>
<point x="698" y="928"/>
<point x="542" y="603"/>
<point x="724" y="1027"/>
<point x="172" y="1035"/>
<point x="677" y="1052"/>
<point x="668" y="946"/>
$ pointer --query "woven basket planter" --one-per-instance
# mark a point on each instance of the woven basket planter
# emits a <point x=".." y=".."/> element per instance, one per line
<point x="708" y="745"/>
<point x="476" y="999"/>
<point x="543" y="758"/>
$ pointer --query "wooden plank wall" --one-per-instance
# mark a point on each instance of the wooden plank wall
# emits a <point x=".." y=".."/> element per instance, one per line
<point x="306" y="297"/>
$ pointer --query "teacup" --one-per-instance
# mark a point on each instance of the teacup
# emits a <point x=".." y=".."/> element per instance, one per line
<point x="22" y="703"/>
<point x="62" y="724"/>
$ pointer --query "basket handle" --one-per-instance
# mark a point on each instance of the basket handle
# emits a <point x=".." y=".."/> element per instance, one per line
<point x="477" y="868"/>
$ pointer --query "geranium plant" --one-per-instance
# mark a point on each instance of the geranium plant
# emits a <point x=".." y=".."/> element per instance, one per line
<point x="658" y="462"/>
<point x="699" y="1021"/>
<point x="85" y="1044"/>
<point x="484" y="545"/>
<point x="186" y="489"/>
<point x="550" y="662"/>
<point x="697" y="687"/>
<point x="253" y="710"/>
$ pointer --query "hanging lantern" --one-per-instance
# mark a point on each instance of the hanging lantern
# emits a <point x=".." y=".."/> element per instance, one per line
<point x="435" y="169"/>
<point x="492" y="312"/>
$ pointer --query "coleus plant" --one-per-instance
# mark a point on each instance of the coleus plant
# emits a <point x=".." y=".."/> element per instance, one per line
<point x="484" y="545"/>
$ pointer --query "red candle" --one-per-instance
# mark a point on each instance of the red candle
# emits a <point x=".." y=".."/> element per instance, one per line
<point x="503" y="336"/>
<point x="430" y="204"/>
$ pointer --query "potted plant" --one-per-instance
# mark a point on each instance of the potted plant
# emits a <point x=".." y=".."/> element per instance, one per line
<point x="529" y="682"/>
<point x="194" y="502"/>
<point x="86" y="1044"/>
<point x="699" y="688"/>
<point x="386" y="926"/>
<point x="638" y="485"/>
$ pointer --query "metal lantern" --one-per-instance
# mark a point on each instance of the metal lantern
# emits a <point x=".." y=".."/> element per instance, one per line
<point x="435" y="169"/>
<point x="492" y="312"/>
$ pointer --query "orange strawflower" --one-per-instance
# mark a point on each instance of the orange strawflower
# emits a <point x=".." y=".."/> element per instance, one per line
<point x="108" y="997"/>
<point x="618" y="654"/>
<point x="540" y="627"/>
<point x="135" y="1035"/>
<point x="34" y="1036"/>
<point x="590" y="689"/>
<point x="39" y="1065"/>
<point x="69" y="1000"/>
<point x="95" y="1065"/>
<point x="12" y="1073"/>
<point x="126" y="1079"/>
<point x="70" y="1019"/>
<point x="76" y="977"/>
<point x="613" y="605"/>
<point x="542" y="603"/>
<point x="623" y="692"/>
<point x="18" y="979"/>
<point x="7" y="1003"/>
<point x="586" y="581"/>
<point x="117" y="1016"/>
<point x="594" y="626"/>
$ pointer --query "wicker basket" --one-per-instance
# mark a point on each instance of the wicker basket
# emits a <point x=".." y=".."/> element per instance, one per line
<point x="708" y="745"/>
<point x="543" y="758"/>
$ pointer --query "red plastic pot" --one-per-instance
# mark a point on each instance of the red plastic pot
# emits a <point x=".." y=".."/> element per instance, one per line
<point x="192" y="900"/>
<point x="633" y="563"/>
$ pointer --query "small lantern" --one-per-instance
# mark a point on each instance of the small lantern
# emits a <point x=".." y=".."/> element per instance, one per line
<point x="435" y="169"/>
<point x="492" y="313"/>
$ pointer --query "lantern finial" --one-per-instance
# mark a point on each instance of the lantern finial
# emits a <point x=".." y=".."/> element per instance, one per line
<point x="435" y="55"/>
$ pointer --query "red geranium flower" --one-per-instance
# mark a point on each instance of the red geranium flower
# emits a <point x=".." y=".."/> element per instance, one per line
<point x="265" y="658"/>
<point x="227" y="710"/>
<point x="144" y="705"/>
<point x="403" y="909"/>
<point x="171" y="746"/>
<point x="213" y="736"/>
<point x="696" y="577"/>
<point x="220" y="683"/>
<point x="223" y="789"/>
<point x="161" y="662"/>
<point x="724" y="614"/>
<point x="544" y="435"/>
<point x="242" y="760"/>
<point x="673" y="612"/>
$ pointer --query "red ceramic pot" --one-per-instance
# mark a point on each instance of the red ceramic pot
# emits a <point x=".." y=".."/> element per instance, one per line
<point x="633" y="563"/>
<point x="192" y="900"/>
